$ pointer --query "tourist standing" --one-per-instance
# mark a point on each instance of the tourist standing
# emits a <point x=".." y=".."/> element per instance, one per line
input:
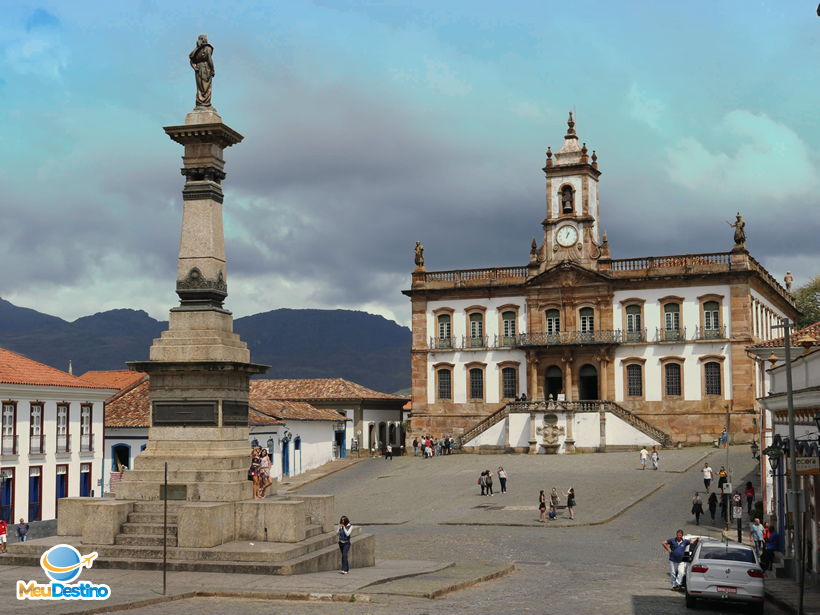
<point x="344" y="542"/>
<point x="482" y="482"/>
<point x="22" y="531"/>
<point x="756" y="534"/>
<point x="770" y="539"/>
<point x="644" y="458"/>
<point x="388" y="452"/>
<point x="502" y="478"/>
<point x="677" y="567"/>
<point x="656" y="458"/>
<point x="707" y="476"/>
<point x="554" y="501"/>
<point x="750" y="497"/>
<point x="697" y="508"/>
<point x="571" y="502"/>
<point x="488" y="478"/>
<point x="415" y="447"/>
<point x="542" y="507"/>
<point x="724" y="438"/>
<point x="713" y="502"/>
<point x="265" y="480"/>
<point x="253" y="471"/>
<point x="4" y="528"/>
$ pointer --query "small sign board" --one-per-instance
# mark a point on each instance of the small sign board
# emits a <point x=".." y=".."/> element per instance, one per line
<point x="175" y="492"/>
<point x="808" y="465"/>
<point x="737" y="512"/>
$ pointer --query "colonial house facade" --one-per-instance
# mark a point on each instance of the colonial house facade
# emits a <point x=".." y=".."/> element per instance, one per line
<point x="52" y="436"/>
<point x="653" y="344"/>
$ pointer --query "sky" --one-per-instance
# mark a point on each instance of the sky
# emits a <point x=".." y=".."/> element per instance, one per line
<point x="370" y="125"/>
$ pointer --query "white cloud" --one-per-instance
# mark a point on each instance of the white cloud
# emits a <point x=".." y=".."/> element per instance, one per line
<point x="762" y="159"/>
<point x="644" y="108"/>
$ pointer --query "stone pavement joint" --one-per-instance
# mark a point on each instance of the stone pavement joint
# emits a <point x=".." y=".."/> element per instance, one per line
<point x="446" y="581"/>
<point x="331" y="467"/>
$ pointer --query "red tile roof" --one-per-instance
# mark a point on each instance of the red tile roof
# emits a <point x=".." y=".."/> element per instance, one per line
<point x="307" y="389"/>
<point x="17" y="369"/>
<point x="294" y="410"/>
<point x="112" y="378"/>
<point x="812" y="330"/>
<point x="130" y="407"/>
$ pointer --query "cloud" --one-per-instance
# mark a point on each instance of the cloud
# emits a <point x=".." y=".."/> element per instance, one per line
<point x="763" y="159"/>
<point x="38" y="48"/>
<point x="644" y="108"/>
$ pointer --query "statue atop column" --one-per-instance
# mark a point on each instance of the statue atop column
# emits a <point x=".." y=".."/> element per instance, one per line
<point x="740" y="232"/>
<point x="203" y="65"/>
<point x="419" y="250"/>
<point x="789" y="280"/>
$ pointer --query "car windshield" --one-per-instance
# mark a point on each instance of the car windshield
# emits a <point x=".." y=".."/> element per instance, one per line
<point x="732" y="554"/>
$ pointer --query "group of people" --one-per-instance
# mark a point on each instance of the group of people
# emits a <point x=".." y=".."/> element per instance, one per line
<point x="554" y="502"/>
<point x="765" y="540"/>
<point x="485" y="481"/>
<point x="428" y="446"/>
<point x="22" y="533"/>
<point x="654" y="456"/>
<point x="260" y="472"/>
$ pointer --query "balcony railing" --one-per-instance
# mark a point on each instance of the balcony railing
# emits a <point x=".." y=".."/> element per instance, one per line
<point x="475" y="342"/>
<point x="635" y="336"/>
<point x="443" y="343"/>
<point x="8" y="445"/>
<point x="570" y="337"/>
<point x="506" y="341"/>
<point x="672" y="335"/>
<point x="718" y="333"/>
<point x="37" y="444"/>
<point x="63" y="444"/>
<point x="86" y="442"/>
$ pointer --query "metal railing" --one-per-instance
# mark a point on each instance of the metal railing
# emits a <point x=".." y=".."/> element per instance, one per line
<point x="8" y="445"/>
<point x="475" y="342"/>
<point x="718" y="333"/>
<point x="63" y="444"/>
<point x="570" y="337"/>
<point x="37" y="445"/>
<point x="86" y="442"/>
<point x="671" y="335"/>
<point x="634" y="336"/>
<point x="505" y="341"/>
<point x="443" y="343"/>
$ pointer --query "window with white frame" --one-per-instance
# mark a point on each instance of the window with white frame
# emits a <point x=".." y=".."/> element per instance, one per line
<point x="476" y="328"/>
<point x="508" y="328"/>
<point x="671" y="316"/>
<point x="587" y="320"/>
<point x="86" y="413"/>
<point x="62" y="428"/>
<point x="633" y="323"/>
<point x="553" y="322"/>
<point x="445" y="327"/>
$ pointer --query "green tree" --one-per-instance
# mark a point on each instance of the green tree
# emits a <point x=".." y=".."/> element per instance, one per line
<point x="807" y="299"/>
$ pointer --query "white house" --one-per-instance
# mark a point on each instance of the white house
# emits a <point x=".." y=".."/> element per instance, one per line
<point x="52" y="438"/>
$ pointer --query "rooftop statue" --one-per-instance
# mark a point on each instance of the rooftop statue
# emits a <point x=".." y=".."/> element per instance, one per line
<point x="419" y="255"/>
<point x="203" y="65"/>
<point x="739" y="226"/>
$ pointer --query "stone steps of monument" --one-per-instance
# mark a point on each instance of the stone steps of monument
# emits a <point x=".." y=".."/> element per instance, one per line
<point x="144" y="540"/>
<point x="189" y="476"/>
<point x="153" y="506"/>
<point x="146" y="528"/>
<point x="147" y="517"/>
<point x="312" y="529"/>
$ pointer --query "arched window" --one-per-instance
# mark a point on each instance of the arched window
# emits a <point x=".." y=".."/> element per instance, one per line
<point x="672" y="379"/>
<point x="509" y="382"/>
<point x="587" y="320"/>
<point x="711" y="319"/>
<point x="445" y="383"/>
<point x="476" y="383"/>
<point x="671" y="322"/>
<point x="634" y="380"/>
<point x="477" y="330"/>
<point x="445" y="331"/>
<point x="567" y="200"/>
<point x="711" y="376"/>
<point x="508" y="328"/>
<point x="553" y="322"/>
<point x="634" y="331"/>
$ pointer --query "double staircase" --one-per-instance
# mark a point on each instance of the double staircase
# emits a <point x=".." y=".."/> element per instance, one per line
<point x="567" y="406"/>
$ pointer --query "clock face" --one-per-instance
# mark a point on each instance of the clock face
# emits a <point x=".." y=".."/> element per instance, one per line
<point x="566" y="236"/>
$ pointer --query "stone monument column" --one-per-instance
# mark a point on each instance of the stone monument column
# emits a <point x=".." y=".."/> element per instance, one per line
<point x="199" y="368"/>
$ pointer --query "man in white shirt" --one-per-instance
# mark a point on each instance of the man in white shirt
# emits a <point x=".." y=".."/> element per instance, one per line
<point x="707" y="476"/>
<point x="644" y="457"/>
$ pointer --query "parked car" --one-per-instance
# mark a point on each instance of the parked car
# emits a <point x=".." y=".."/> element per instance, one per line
<point x="724" y="571"/>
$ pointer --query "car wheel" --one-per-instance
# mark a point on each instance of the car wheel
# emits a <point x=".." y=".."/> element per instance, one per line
<point x="690" y="601"/>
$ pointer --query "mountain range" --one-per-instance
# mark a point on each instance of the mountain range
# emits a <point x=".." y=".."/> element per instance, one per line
<point x="361" y="347"/>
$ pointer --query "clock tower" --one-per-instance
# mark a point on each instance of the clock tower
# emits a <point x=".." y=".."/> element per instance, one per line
<point x="571" y="230"/>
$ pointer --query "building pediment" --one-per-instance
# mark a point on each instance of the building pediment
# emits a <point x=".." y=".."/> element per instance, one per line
<point x="565" y="274"/>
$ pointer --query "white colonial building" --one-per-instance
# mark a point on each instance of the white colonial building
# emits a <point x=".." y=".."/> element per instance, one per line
<point x="52" y="436"/>
<point x="629" y="352"/>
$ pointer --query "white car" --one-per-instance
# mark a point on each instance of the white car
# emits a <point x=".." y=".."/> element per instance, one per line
<point x="726" y="571"/>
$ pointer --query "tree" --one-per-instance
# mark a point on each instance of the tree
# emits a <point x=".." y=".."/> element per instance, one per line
<point x="807" y="300"/>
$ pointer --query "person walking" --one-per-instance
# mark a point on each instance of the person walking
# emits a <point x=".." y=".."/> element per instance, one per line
<point x="644" y="458"/>
<point x="488" y="479"/>
<point x="265" y="479"/>
<point x="344" y="542"/>
<point x="723" y="477"/>
<point x="502" y="478"/>
<point x="697" y="508"/>
<point x="707" y="476"/>
<point x="554" y="501"/>
<point x="542" y="507"/>
<point x="713" y="502"/>
<point x="4" y="528"/>
<point x="22" y="531"/>
<point x="770" y="540"/>
<point x="750" y="497"/>
<point x="388" y="452"/>
<point x="677" y="567"/>
<point x="655" y="458"/>
<point x="571" y="502"/>
<point x="756" y="534"/>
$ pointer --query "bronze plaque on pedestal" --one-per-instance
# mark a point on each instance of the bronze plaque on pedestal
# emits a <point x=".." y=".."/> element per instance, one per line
<point x="198" y="413"/>
<point x="234" y="412"/>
